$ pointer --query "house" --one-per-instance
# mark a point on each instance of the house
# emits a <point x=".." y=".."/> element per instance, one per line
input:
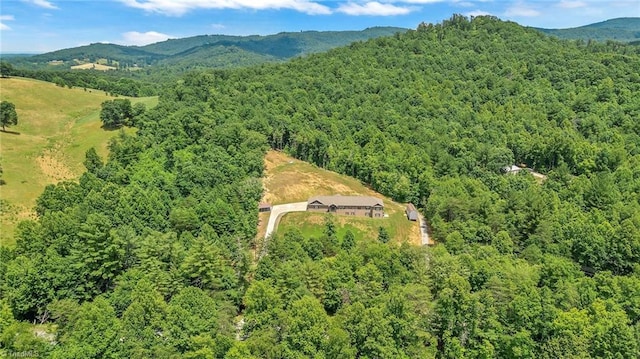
<point x="264" y="207"/>
<point x="513" y="169"/>
<point x="363" y="206"/>
<point x="412" y="212"/>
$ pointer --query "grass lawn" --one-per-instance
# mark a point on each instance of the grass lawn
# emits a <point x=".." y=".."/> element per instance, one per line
<point x="56" y="126"/>
<point x="290" y="180"/>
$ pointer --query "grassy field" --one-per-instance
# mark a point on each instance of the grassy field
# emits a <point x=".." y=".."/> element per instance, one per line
<point x="56" y="126"/>
<point x="93" y="66"/>
<point x="290" y="180"/>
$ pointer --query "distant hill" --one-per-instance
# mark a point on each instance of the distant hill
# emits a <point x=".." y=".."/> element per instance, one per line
<point x="210" y="50"/>
<point x="95" y="52"/>
<point x="626" y="29"/>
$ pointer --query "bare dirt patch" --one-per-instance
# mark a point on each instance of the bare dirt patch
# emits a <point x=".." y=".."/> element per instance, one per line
<point x="291" y="180"/>
<point x="53" y="167"/>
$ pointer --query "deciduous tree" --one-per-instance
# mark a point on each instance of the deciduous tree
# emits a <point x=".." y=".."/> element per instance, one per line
<point x="8" y="115"/>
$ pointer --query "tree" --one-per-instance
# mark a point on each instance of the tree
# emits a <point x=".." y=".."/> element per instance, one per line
<point x="8" y="115"/>
<point x="305" y="327"/>
<point x="348" y="241"/>
<point x="191" y="313"/>
<point x="383" y="235"/>
<point x="329" y="227"/>
<point x="92" y="331"/>
<point x="6" y="69"/>
<point x="92" y="161"/>
<point x="116" y="113"/>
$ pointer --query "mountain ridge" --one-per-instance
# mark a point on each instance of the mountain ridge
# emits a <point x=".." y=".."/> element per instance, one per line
<point x="281" y="46"/>
<point x="624" y="29"/>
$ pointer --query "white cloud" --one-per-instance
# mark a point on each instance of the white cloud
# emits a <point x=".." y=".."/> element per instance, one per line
<point x="218" y="26"/>
<point x="464" y="3"/>
<point x="180" y="7"/>
<point x="475" y="13"/>
<point x="418" y="1"/>
<point x="372" y="8"/>
<point x="521" y="10"/>
<point x="4" y="18"/>
<point x="143" y="38"/>
<point x="42" y="3"/>
<point x="568" y="4"/>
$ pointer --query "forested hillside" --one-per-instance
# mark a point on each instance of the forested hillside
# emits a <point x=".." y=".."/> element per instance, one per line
<point x="258" y="48"/>
<point x="625" y="29"/>
<point x="142" y="70"/>
<point x="148" y="254"/>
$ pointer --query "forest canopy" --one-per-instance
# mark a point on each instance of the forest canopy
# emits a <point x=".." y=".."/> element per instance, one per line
<point x="149" y="254"/>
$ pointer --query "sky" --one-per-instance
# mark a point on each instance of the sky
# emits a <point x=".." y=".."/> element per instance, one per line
<point x="36" y="26"/>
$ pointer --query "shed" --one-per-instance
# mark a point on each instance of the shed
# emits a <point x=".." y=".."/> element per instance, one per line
<point x="264" y="207"/>
<point x="412" y="212"/>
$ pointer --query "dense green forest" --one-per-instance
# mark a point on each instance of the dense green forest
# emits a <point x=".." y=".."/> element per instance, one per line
<point x="625" y="29"/>
<point x="258" y="49"/>
<point x="141" y="70"/>
<point x="149" y="254"/>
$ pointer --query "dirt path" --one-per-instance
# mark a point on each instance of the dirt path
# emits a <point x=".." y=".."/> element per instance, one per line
<point x="424" y="230"/>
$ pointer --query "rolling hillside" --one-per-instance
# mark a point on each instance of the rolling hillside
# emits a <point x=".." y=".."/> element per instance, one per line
<point x="212" y="50"/>
<point x="150" y="254"/>
<point x="56" y="126"/>
<point x="622" y="29"/>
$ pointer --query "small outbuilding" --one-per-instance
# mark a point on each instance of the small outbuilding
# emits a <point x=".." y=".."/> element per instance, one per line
<point x="264" y="207"/>
<point x="412" y="212"/>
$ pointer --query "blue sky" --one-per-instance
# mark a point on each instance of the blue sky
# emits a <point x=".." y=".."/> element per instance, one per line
<point x="47" y="25"/>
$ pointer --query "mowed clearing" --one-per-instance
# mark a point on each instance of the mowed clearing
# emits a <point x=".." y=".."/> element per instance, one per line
<point x="93" y="66"/>
<point x="291" y="180"/>
<point x="56" y="126"/>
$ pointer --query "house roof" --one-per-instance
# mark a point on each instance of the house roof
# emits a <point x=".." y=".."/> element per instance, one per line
<point x="512" y="168"/>
<point x="515" y="169"/>
<point x="411" y="207"/>
<point x="338" y="200"/>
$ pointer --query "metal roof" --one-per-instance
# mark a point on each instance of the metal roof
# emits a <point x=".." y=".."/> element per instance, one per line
<point x="338" y="200"/>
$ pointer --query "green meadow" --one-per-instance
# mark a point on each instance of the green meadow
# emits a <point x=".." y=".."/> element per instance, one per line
<point x="56" y="126"/>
